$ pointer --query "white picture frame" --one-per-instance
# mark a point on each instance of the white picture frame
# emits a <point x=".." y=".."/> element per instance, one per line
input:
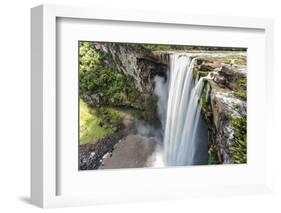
<point x="44" y="149"/>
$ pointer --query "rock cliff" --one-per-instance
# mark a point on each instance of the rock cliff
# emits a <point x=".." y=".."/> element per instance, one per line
<point x="224" y="106"/>
<point x="142" y="64"/>
<point x="224" y="103"/>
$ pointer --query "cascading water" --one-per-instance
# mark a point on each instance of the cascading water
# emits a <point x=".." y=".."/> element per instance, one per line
<point x="185" y="138"/>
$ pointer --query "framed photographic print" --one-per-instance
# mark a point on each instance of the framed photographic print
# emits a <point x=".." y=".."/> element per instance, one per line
<point x="146" y="105"/>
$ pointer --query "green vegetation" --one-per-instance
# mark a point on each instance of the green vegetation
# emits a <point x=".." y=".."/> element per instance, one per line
<point x="204" y="102"/>
<point x="239" y="149"/>
<point x="108" y="85"/>
<point x="107" y="94"/>
<point x="205" y="99"/>
<point x="242" y="91"/>
<point x="241" y="94"/>
<point x="240" y="61"/>
<point x="194" y="75"/>
<point x="243" y="83"/>
<point x="135" y="113"/>
<point x="109" y="118"/>
<point x="99" y="122"/>
<point x="166" y="47"/>
<point x="90" y="129"/>
<point x="213" y="156"/>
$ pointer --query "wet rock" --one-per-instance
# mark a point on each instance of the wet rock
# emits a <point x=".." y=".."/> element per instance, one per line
<point x="220" y="80"/>
<point x="162" y="57"/>
<point x="91" y="155"/>
<point x="224" y="108"/>
<point x="208" y="67"/>
<point x="228" y="70"/>
<point x="133" y="152"/>
<point x="231" y="76"/>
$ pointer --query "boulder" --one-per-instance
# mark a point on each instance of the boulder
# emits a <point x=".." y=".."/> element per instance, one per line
<point x="220" y="79"/>
<point x="207" y="67"/>
<point x="231" y="76"/>
<point x="228" y="70"/>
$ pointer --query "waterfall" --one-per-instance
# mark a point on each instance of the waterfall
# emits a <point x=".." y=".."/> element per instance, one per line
<point x="180" y="112"/>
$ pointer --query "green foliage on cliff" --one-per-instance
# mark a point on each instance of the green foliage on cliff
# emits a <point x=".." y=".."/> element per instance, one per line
<point x="241" y="94"/>
<point x="241" y="61"/>
<point x="242" y="91"/>
<point x="239" y="149"/>
<point x="243" y="83"/>
<point x="107" y="94"/>
<point x="205" y="99"/>
<point x="108" y="85"/>
<point x="213" y="156"/>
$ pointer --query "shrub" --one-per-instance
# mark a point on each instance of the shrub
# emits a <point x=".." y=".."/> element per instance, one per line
<point x="239" y="149"/>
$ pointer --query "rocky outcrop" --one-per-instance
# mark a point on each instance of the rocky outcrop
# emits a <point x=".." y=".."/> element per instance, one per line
<point x="225" y="107"/>
<point x="230" y="76"/>
<point x="133" y="60"/>
<point x="221" y="104"/>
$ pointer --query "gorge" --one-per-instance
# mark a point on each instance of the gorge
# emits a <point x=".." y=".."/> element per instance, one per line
<point x="190" y="108"/>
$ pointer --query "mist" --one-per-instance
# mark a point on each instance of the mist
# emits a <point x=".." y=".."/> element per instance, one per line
<point x="161" y="90"/>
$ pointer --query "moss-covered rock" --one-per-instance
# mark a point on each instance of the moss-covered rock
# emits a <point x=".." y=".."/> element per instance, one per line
<point x="238" y="150"/>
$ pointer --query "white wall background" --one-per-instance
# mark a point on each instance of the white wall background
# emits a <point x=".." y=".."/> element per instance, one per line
<point x="15" y="98"/>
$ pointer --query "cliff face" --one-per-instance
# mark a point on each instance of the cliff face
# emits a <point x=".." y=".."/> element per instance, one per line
<point x="137" y="62"/>
<point x="224" y="104"/>
<point x="141" y="65"/>
<point x="225" y="107"/>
